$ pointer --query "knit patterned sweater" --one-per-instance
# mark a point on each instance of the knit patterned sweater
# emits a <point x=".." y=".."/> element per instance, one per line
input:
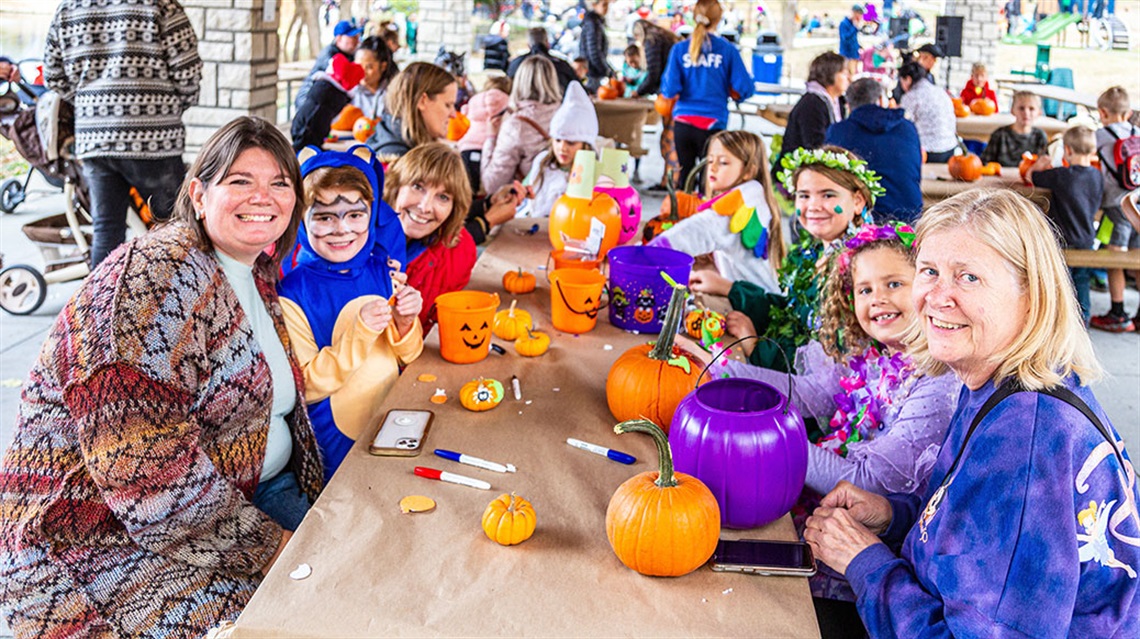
<point x="130" y="68"/>
<point x="125" y="498"/>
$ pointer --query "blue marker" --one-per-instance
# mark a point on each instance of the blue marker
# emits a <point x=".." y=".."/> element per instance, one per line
<point x="615" y="455"/>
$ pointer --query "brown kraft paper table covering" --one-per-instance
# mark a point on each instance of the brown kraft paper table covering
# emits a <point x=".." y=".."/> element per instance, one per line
<point x="377" y="572"/>
<point x="937" y="185"/>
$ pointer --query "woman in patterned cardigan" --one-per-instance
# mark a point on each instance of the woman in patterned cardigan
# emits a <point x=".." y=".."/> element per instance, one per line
<point x="162" y="421"/>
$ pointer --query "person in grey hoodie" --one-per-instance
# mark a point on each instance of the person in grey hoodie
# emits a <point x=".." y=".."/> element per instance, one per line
<point x="890" y="145"/>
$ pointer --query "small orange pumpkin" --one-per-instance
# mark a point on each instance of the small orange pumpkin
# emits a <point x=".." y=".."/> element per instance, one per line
<point x="983" y="106"/>
<point x="347" y="118"/>
<point x="532" y="344"/>
<point x="698" y="321"/>
<point x="967" y="168"/>
<point x="509" y="520"/>
<point x="678" y="206"/>
<point x="518" y="282"/>
<point x="648" y="381"/>
<point x="662" y="524"/>
<point x="363" y="129"/>
<point x="664" y="105"/>
<point x="991" y="168"/>
<point x="510" y="323"/>
<point x="457" y="127"/>
<point x="960" y="110"/>
<point x="481" y="394"/>
<point x="611" y="89"/>
<point x="1027" y="160"/>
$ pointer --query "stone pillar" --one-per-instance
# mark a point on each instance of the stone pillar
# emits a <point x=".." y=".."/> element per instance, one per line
<point x="980" y="38"/>
<point x="446" y="22"/>
<point x="237" y="41"/>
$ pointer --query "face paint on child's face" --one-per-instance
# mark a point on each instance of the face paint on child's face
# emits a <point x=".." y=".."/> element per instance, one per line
<point x="565" y="150"/>
<point x="1025" y="112"/>
<point x="817" y="198"/>
<point x="882" y="280"/>
<point x="337" y="224"/>
<point x="724" y="169"/>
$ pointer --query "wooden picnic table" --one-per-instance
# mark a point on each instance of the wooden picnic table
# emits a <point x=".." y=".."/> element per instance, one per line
<point x="981" y="127"/>
<point x="937" y="185"/>
<point x="377" y="572"/>
<point x="622" y="120"/>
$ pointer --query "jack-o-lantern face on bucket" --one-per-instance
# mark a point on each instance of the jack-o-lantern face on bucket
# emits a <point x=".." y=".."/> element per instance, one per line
<point x="474" y="338"/>
<point x="645" y="306"/>
<point x="590" y="309"/>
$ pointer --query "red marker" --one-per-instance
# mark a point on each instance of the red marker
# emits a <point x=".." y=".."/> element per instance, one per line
<point x="451" y="478"/>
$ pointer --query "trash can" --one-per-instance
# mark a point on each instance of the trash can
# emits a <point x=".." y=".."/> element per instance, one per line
<point x="767" y="58"/>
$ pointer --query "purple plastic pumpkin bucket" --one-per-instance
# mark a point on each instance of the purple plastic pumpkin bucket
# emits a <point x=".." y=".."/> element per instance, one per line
<point x="747" y="443"/>
<point x="638" y="293"/>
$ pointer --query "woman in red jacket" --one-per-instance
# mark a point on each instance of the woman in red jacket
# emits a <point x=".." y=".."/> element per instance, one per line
<point x="429" y="190"/>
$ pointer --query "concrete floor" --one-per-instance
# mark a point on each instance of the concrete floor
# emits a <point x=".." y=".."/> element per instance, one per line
<point x="21" y="337"/>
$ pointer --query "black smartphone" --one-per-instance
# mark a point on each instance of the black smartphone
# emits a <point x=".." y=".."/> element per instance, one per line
<point x="760" y="557"/>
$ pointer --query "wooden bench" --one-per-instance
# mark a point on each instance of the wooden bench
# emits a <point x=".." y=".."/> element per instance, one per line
<point x="1080" y="258"/>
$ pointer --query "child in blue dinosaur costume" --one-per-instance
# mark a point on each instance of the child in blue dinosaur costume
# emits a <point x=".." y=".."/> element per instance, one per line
<point x="351" y="317"/>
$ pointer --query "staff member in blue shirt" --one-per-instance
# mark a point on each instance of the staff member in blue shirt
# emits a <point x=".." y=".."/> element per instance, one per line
<point x="702" y="74"/>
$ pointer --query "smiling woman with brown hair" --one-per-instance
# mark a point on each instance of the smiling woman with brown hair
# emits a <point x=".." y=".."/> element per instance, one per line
<point x="163" y="452"/>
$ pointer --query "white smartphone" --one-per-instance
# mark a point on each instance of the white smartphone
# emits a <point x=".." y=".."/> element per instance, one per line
<point x="402" y="433"/>
<point x="759" y="557"/>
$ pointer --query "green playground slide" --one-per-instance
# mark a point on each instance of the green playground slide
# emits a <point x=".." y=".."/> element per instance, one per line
<point x="1046" y="29"/>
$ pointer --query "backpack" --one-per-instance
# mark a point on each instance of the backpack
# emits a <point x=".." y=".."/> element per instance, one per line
<point x="1126" y="159"/>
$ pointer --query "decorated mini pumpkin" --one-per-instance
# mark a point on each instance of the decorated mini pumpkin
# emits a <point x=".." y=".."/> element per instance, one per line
<point x="511" y="323"/>
<point x="649" y="381"/>
<point x="363" y="129"/>
<point x="481" y="394"/>
<point x="509" y="520"/>
<point x="967" y="168"/>
<point x="662" y="524"/>
<point x="347" y="118"/>
<point x="983" y="106"/>
<point x="704" y="325"/>
<point x="532" y="344"/>
<point x="518" y="282"/>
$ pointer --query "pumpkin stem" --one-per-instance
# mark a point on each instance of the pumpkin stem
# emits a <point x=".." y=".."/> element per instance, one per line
<point x="665" y="477"/>
<point x="511" y="313"/>
<point x="663" y="349"/>
<point x="674" y="215"/>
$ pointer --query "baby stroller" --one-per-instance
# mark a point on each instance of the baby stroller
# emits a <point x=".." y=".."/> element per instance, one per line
<point x="44" y="134"/>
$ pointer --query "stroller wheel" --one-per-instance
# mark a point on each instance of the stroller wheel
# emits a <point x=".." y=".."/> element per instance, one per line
<point x="12" y="194"/>
<point x="22" y="289"/>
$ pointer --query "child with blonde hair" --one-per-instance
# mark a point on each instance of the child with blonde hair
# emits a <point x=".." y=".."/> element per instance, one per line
<point x="1009" y="143"/>
<point x="740" y="224"/>
<point x="574" y="127"/>
<point x="978" y="86"/>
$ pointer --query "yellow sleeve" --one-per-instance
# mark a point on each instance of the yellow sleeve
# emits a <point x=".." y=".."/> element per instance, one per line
<point x="408" y="348"/>
<point x="327" y="369"/>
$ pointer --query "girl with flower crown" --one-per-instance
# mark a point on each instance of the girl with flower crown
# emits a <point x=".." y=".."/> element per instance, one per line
<point x="834" y="191"/>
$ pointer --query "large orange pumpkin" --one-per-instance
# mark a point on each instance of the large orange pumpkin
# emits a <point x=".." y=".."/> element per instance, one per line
<point x="1027" y="160"/>
<point x="649" y="381"/>
<point x="983" y="106"/>
<point x="347" y="118"/>
<point x="967" y="168"/>
<point x="662" y="524"/>
<point x="572" y="218"/>
<point x="960" y="110"/>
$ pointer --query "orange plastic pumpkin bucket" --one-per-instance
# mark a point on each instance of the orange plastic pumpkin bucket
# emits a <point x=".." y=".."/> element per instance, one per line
<point x="562" y="260"/>
<point x="575" y="299"/>
<point x="465" y="319"/>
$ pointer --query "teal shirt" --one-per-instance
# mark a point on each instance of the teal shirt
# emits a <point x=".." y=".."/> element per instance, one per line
<point x="279" y="444"/>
